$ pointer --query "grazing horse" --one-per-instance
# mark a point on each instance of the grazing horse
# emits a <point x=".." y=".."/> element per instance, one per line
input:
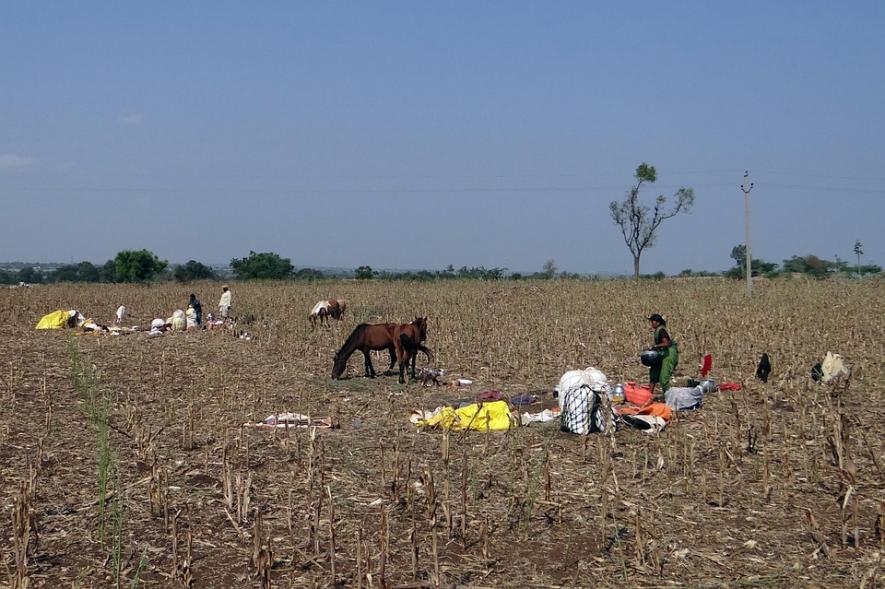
<point x="407" y="339"/>
<point x="325" y="309"/>
<point x="366" y="337"/>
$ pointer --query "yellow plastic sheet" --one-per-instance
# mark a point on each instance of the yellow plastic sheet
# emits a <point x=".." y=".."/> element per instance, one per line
<point x="54" y="320"/>
<point x="492" y="416"/>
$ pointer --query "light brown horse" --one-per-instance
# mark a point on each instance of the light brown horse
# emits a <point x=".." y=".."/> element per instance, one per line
<point x="324" y="309"/>
<point x="366" y="337"/>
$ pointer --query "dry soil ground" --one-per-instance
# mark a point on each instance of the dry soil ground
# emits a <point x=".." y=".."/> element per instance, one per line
<point x="777" y="485"/>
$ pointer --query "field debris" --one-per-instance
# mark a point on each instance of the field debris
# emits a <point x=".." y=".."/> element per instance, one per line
<point x="128" y="456"/>
<point x="286" y="420"/>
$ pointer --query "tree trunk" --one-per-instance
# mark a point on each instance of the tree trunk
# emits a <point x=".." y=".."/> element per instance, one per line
<point x="636" y="267"/>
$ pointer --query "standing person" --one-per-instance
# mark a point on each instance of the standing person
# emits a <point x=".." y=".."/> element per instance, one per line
<point x="194" y="303"/>
<point x="662" y="372"/>
<point x="225" y="303"/>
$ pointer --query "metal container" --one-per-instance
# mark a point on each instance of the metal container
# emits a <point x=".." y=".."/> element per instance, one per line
<point x="651" y="358"/>
<point x="708" y="386"/>
<point x="617" y="394"/>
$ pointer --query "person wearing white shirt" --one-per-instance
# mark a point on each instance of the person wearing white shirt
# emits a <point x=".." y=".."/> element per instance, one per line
<point x="225" y="302"/>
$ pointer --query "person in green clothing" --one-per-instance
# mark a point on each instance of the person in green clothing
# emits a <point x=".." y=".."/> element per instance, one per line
<point x="663" y="343"/>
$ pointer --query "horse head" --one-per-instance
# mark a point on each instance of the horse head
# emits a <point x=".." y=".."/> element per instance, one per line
<point x="338" y="366"/>
<point x="421" y="324"/>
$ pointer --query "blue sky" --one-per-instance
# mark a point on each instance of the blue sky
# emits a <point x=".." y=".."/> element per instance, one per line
<point x="417" y="135"/>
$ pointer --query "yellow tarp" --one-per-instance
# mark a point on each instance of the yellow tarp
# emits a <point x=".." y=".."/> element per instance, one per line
<point x="493" y="416"/>
<point x="54" y="320"/>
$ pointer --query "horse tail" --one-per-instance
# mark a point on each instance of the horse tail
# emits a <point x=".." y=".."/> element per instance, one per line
<point x="426" y="351"/>
<point x="414" y="347"/>
<point x="408" y="344"/>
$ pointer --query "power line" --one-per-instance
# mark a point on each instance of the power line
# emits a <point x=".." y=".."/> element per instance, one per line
<point x="836" y="190"/>
<point x="412" y="190"/>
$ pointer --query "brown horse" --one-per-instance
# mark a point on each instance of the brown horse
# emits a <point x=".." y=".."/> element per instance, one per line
<point x="325" y="309"/>
<point x="407" y="339"/>
<point x="366" y="337"/>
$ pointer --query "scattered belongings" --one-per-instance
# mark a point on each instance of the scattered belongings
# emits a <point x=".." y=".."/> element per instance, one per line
<point x="492" y="416"/>
<point x="213" y="323"/>
<point x="191" y="318"/>
<point x="540" y="417"/>
<point x="584" y="402"/>
<point x="684" y="398"/>
<point x="461" y="382"/>
<point x="70" y="319"/>
<point x="730" y="386"/>
<point x="706" y="365"/>
<point x="638" y="395"/>
<point x="61" y="319"/>
<point x="90" y="326"/>
<point x="833" y="368"/>
<point x="286" y="420"/>
<point x="490" y="396"/>
<point x="158" y="327"/>
<point x="652" y="418"/>
<point x="524" y="399"/>
<point x="177" y="321"/>
<point x="763" y="369"/>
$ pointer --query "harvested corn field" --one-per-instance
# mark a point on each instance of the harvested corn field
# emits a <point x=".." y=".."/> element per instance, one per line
<point x="125" y="460"/>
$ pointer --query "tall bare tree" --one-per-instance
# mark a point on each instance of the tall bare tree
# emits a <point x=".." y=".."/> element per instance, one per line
<point x="638" y="222"/>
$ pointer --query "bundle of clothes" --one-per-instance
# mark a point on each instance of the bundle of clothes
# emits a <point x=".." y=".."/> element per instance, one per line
<point x="589" y="403"/>
<point x="72" y="319"/>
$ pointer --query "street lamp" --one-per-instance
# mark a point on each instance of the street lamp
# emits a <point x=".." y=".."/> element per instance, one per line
<point x="746" y="187"/>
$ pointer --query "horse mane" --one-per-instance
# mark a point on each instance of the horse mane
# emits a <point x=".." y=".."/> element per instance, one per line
<point x="350" y="344"/>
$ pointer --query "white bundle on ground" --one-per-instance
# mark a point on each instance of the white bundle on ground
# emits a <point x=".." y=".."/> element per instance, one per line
<point x="579" y="401"/>
<point x="833" y="368"/>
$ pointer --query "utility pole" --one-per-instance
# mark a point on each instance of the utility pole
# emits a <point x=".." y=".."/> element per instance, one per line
<point x="746" y="187"/>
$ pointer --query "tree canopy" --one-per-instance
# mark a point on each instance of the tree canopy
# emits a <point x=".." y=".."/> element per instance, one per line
<point x="192" y="270"/>
<point x="262" y="266"/>
<point x="364" y="273"/>
<point x="137" y="265"/>
<point x="638" y="222"/>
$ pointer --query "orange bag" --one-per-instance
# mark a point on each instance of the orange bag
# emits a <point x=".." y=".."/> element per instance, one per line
<point x="636" y="394"/>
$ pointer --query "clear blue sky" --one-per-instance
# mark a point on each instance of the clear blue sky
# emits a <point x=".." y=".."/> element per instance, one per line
<point x="417" y="134"/>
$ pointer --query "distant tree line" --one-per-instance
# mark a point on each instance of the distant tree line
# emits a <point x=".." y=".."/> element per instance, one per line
<point x="127" y="266"/>
<point x="144" y="266"/>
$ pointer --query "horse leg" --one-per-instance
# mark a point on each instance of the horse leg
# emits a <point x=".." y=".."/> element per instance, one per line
<point x="402" y="358"/>
<point x="414" y="354"/>
<point x="370" y="370"/>
<point x="392" y="350"/>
